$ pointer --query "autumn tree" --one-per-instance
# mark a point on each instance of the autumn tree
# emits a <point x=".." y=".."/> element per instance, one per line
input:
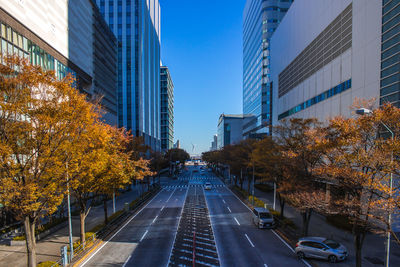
<point x="359" y="163"/>
<point x="268" y="159"/>
<point x="40" y="118"/>
<point x="302" y="150"/>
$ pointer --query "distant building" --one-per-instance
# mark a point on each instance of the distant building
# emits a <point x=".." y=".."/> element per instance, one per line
<point x="177" y="144"/>
<point x="167" y="109"/>
<point x="325" y="54"/>
<point x="260" y="19"/>
<point x="230" y="129"/>
<point x="214" y="143"/>
<point x="65" y="37"/>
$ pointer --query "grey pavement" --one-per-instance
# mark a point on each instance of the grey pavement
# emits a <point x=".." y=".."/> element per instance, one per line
<point x="373" y="251"/>
<point x="48" y="249"/>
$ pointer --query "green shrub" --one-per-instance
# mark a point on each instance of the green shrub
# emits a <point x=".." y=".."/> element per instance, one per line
<point x="20" y="238"/>
<point x="257" y="202"/>
<point x="48" y="264"/>
<point x="115" y="215"/>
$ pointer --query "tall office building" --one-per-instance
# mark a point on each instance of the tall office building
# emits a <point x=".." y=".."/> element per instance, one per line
<point x="67" y="38"/>
<point x="325" y="55"/>
<point x="230" y="129"/>
<point x="167" y="109"/>
<point x="136" y="24"/>
<point x="390" y="54"/>
<point x="260" y="19"/>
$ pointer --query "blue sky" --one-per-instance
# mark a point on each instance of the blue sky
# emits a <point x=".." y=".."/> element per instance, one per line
<point x="202" y="46"/>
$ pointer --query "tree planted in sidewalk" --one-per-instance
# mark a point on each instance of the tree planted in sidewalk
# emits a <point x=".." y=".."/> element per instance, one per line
<point x="358" y="164"/>
<point x="40" y="118"/>
<point x="302" y="148"/>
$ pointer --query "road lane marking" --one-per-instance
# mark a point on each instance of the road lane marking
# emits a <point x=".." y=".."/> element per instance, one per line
<point x="171" y="195"/>
<point x="145" y="233"/>
<point x="162" y="208"/>
<point x="133" y="217"/>
<point x="236" y="221"/>
<point x="229" y="210"/>
<point x="280" y="238"/>
<point x="251" y="243"/>
<point x="155" y="219"/>
<point x="224" y="201"/>
<point x="176" y="231"/>
<point x="126" y="261"/>
<point x="265" y="265"/>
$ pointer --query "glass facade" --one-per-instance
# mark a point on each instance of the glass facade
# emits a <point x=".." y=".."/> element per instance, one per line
<point x="316" y="99"/>
<point x="15" y="43"/>
<point x="390" y="55"/>
<point x="167" y="109"/>
<point x="260" y="19"/>
<point x="136" y="24"/>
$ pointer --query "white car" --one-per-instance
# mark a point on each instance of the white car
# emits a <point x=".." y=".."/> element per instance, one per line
<point x="207" y="186"/>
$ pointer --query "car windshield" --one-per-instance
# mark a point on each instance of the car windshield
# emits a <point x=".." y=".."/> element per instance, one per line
<point x="331" y="243"/>
<point x="265" y="215"/>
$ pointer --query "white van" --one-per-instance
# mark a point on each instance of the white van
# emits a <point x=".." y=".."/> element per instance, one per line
<point x="263" y="218"/>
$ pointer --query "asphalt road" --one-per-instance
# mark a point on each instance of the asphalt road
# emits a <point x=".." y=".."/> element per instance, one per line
<point x="147" y="238"/>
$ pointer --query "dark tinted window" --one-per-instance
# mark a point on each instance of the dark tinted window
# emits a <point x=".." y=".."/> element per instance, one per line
<point x="265" y="215"/>
<point x="331" y="243"/>
<point x="317" y="245"/>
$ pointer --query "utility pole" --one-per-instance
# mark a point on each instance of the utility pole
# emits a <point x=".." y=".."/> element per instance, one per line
<point x="71" y="247"/>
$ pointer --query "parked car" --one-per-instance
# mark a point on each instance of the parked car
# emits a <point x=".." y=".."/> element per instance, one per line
<point x="263" y="218"/>
<point x="320" y="248"/>
<point x="207" y="186"/>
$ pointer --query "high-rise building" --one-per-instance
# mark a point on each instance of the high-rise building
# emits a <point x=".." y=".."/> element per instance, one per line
<point x="136" y="24"/>
<point x="390" y="54"/>
<point x="67" y="38"/>
<point x="260" y="19"/>
<point x="214" y="143"/>
<point x="167" y="109"/>
<point x="325" y="54"/>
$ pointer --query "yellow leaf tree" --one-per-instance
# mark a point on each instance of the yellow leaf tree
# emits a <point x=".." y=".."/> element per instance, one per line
<point x="39" y="119"/>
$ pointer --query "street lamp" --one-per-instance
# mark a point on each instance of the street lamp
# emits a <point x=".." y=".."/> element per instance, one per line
<point x="363" y="111"/>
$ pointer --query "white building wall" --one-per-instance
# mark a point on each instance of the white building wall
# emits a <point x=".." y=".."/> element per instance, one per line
<point x="48" y="19"/>
<point x="305" y="20"/>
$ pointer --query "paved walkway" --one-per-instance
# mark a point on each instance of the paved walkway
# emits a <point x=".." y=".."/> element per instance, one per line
<point x="48" y="249"/>
<point x="373" y="251"/>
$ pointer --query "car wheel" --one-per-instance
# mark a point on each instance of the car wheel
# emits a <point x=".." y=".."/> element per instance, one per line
<point x="332" y="258"/>
<point x="300" y="255"/>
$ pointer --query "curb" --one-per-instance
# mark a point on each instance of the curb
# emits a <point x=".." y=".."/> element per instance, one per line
<point x="87" y="254"/>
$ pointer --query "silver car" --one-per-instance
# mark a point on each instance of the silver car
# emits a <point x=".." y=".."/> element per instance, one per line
<point x="320" y="248"/>
<point x="263" y="218"/>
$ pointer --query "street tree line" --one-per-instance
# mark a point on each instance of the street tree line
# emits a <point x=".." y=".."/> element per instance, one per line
<point x="53" y="142"/>
<point x="343" y="167"/>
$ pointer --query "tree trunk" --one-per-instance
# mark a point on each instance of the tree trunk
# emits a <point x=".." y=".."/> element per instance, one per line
<point x="359" y="235"/>
<point x="29" y="226"/>
<point x="105" y="210"/>
<point x="82" y="217"/>
<point x="282" y="203"/>
<point x="306" y="220"/>
<point x="248" y="185"/>
<point x="241" y="179"/>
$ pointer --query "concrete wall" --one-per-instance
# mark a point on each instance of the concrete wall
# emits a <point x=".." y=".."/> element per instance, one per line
<point x="305" y="20"/>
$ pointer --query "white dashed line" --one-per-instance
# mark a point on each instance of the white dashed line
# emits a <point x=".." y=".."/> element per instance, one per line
<point x="155" y="219"/>
<point x="126" y="261"/>
<point x="145" y="233"/>
<point x="265" y="265"/>
<point x="229" y="210"/>
<point x="171" y="195"/>
<point x="236" y="221"/>
<point x="224" y="201"/>
<point x="162" y="208"/>
<point x="251" y="243"/>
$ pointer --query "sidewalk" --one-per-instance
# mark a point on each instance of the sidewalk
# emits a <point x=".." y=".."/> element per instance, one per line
<point x="48" y="249"/>
<point x="373" y="251"/>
